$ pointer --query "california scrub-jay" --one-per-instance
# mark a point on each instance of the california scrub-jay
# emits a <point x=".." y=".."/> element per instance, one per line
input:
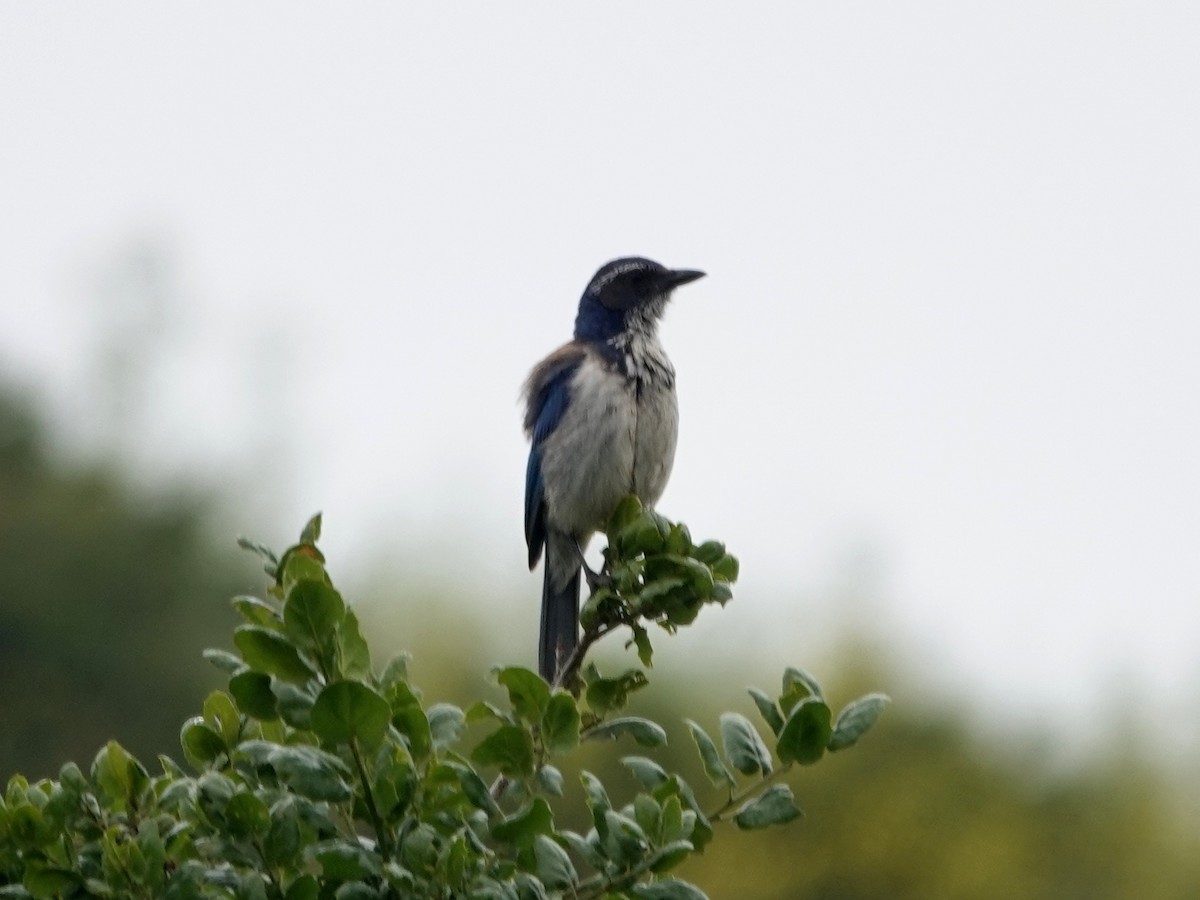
<point x="601" y="417"/>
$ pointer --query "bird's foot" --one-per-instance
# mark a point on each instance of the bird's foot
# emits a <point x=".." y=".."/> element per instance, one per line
<point x="596" y="580"/>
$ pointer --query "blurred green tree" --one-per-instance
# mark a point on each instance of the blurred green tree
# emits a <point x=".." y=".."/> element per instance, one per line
<point x="100" y="587"/>
<point x="930" y="809"/>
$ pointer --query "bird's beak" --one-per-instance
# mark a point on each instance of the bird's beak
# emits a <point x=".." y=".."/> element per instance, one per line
<point x="676" y="277"/>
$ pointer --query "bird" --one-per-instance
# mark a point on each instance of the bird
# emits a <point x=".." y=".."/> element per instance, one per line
<point x="602" y="420"/>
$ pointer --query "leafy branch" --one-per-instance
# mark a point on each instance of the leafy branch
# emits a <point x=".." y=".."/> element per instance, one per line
<point x="318" y="775"/>
<point x="652" y="574"/>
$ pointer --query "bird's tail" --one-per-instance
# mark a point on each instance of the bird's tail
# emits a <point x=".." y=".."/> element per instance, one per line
<point x="560" y="612"/>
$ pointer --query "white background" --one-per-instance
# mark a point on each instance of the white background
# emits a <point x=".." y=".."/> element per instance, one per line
<point x="944" y="367"/>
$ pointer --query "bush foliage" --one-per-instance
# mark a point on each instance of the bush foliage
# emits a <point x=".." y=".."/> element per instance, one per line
<point x="319" y="775"/>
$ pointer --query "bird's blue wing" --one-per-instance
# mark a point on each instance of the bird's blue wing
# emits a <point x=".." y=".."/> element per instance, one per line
<point x="535" y="508"/>
<point x="547" y="394"/>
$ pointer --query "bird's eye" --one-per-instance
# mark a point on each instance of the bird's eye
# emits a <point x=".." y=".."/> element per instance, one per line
<point x="639" y="282"/>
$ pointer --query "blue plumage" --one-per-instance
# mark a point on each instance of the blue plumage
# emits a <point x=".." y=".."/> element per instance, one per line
<point x="602" y="421"/>
<point x="547" y="403"/>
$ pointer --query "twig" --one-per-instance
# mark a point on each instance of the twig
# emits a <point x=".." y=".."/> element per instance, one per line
<point x="381" y="835"/>
<point x="566" y="676"/>
<point x="738" y="797"/>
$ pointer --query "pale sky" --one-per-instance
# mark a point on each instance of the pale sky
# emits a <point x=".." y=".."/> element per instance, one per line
<point x="950" y="324"/>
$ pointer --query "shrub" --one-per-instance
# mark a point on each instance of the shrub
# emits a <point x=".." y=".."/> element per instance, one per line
<point x="318" y="775"/>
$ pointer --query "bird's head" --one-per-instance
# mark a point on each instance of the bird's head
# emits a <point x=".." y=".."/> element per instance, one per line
<point x="630" y="292"/>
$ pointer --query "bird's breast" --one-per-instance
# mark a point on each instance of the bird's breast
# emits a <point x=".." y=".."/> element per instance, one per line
<point x="616" y="437"/>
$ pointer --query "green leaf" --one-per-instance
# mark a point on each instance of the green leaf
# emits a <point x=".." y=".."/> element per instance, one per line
<point x="222" y="715"/>
<point x="257" y="752"/>
<point x="683" y="607"/>
<point x="679" y="540"/>
<point x="175" y="795"/>
<point x="120" y="778"/>
<point x="47" y="882"/>
<point x="269" y="652"/>
<point x="247" y="816"/>
<point x="598" y="608"/>
<point x="726" y="568"/>
<point x="419" y="849"/>
<point x="767" y="709"/>
<point x="71" y="777"/>
<point x="668" y="889"/>
<point x="527" y="692"/>
<point x="714" y="767"/>
<point x="648" y="773"/>
<point x="670" y="855"/>
<point x="201" y="745"/>
<point x="476" y="791"/>
<point x="641" y="639"/>
<point x="509" y="748"/>
<point x="797" y="685"/>
<point x="400" y="694"/>
<point x="641" y="536"/>
<point x="353" y="653"/>
<point x="344" y="861"/>
<point x="610" y="694"/>
<point x="263" y="551"/>
<point x="446" y="723"/>
<point x="257" y="612"/>
<point x="306" y="887"/>
<point x="312" y="612"/>
<point x="560" y="723"/>
<point x="672" y="827"/>
<point x="597" y="799"/>
<point x="481" y="710"/>
<point x="310" y="772"/>
<point x="550" y="780"/>
<point x="524" y="825"/>
<point x="151" y="855"/>
<point x="347" y="711"/>
<point x="224" y="660"/>
<point x="312" y="530"/>
<point x="805" y="733"/>
<point x="26" y="822"/>
<point x="623" y="840"/>
<point x="554" y="866"/>
<point x="662" y="594"/>
<point x="774" y="806"/>
<point x="295" y="704"/>
<point x="395" y="672"/>
<point x="645" y="732"/>
<point x="282" y="842"/>
<point x="395" y="778"/>
<point x="303" y="562"/>
<point x="458" y="862"/>
<point x="699" y="576"/>
<point x="853" y="721"/>
<point x="744" y="748"/>
<point x="701" y="830"/>
<point x="587" y="851"/>
<point x="252" y="691"/>
<point x="411" y="722"/>
<point x="647" y="813"/>
<point x="625" y="514"/>
<point x="355" y="890"/>
<point x="213" y="793"/>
